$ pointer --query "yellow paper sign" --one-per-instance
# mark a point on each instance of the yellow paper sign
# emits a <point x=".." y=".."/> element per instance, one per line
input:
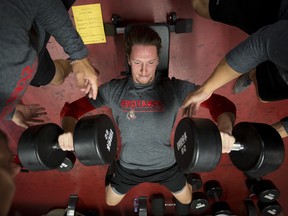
<point x="89" y="23"/>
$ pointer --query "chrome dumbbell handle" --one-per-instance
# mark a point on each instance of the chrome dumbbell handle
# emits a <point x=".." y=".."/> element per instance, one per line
<point x="237" y="147"/>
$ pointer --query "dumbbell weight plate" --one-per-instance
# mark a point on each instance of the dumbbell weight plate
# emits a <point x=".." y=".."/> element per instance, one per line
<point x="269" y="209"/>
<point x="35" y="147"/>
<point x="199" y="203"/>
<point x="68" y="162"/>
<point x="266" y="191"/>
<point x="213" y="189"/>
<point x="95" y="140"/>
<point x="197" y="145"/>
<point x="263" y="149"/>
<point x="195" y="180"/>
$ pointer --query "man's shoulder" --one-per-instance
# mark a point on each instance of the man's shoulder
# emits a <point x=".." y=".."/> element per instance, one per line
<point x="116" y="83"/>
<point x="178" y="83"/>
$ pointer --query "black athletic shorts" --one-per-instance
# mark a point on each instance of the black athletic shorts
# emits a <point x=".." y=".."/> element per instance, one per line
<point x="125" y="179"/>
<point x="271" y="85"/>
<point x="248" y="15"/>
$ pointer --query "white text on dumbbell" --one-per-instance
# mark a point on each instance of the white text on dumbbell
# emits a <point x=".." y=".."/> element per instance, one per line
<point x="181" y="143"/>
<point x="109" y="137"/>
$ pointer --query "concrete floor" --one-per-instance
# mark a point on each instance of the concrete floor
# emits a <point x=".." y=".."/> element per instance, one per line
<point x="193" y="56"/>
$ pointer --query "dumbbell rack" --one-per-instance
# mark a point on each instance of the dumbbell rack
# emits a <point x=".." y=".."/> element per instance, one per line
<point x="265" y="194"/>
<point x="214" y="191"/>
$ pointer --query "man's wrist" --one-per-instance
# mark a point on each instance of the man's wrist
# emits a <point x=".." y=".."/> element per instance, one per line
<point x="284" y="122"/>
<point x="72" y="62"/>
<point x="225" y="122"/>
<point x="280" y="129"/>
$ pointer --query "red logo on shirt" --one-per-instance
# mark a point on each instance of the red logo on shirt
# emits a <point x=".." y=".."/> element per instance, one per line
<point x="142" y="105"/>
<point x="25" y="78"/>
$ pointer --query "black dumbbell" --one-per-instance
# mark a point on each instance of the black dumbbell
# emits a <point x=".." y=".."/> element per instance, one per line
<point x="259" y="148"/>
<point x="199" y="203"/>
<point x="94" y="139"/>
<point x="269" y="209"/>
<point x="158" y="206"/>
<point x="68" y="162"/>
<point x="265" y="190"/>
<point x="214" y="191"/>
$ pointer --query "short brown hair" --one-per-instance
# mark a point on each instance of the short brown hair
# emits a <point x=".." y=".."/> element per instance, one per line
<point x="143" y="35"/>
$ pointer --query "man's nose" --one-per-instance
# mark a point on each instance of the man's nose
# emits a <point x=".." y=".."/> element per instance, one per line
<point x="143" y="69"/>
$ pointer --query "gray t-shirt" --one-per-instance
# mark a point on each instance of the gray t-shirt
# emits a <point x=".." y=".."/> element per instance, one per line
<point x="145" y="115"/>
<point x="18" y="56"/>
<point x="270" y="43"/>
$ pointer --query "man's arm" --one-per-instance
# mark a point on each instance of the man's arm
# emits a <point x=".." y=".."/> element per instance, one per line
<point x="55" y="19"/>
<point x="225" y="123"/>
<point x="223" y="111"/>
<point x="76" y="109"/>
<point x="268" y="43"/>
<point x="282" y="127"/>
<point x="69" y="115"/>
<point x="218" y="105"/>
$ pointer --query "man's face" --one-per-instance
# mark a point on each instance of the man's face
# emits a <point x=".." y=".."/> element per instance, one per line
<point x="143" y="61"/>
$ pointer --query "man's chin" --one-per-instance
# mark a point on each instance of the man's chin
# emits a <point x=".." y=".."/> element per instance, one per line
<point x="144" y="81"/>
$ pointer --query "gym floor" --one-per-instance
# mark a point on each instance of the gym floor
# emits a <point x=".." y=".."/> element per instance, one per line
<point x="193" y="56"/>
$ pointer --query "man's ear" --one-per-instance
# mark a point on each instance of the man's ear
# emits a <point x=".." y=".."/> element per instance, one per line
<point x="128" y="60"/>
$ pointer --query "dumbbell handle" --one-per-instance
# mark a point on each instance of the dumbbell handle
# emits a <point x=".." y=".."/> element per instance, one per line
<point x="237" y="147"/>
<point x="56" y="146"/>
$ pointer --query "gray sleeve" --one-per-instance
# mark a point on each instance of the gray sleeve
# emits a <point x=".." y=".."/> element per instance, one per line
<point x="184" y="88"/>
<point x="268" y="43"/>
<point x="107" y="93"/>
<point x="53" y="16"/>
<point x="102" y="96"/>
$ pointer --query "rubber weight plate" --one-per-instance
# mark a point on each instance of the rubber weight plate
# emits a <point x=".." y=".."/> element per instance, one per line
<point x="263" y="149"/>
<point x="36" y="147"/>
<point x="197" y="145"/>
<point x="95" y="140"/>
